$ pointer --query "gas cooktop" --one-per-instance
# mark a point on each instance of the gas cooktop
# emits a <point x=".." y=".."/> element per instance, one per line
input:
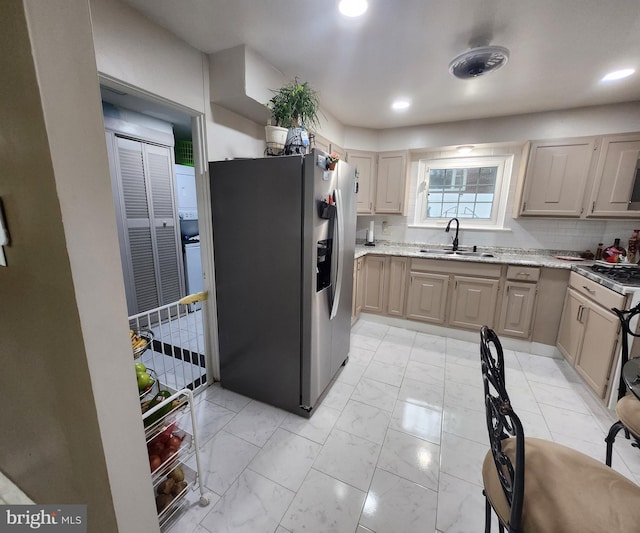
<point x="623" y="273"/>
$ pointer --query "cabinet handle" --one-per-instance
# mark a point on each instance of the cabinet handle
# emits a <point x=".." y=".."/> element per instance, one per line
<point x="591" y="291"/>
<point x="525" y="274"/>
<point x="579" y="313"/>
<point x="524" y="206"/>
<point x="593" y="207"/>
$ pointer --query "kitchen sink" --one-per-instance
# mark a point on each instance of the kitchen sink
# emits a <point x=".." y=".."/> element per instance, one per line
<point x="465" y="253"/>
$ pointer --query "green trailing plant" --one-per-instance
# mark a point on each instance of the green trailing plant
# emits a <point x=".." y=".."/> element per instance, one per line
<point x="295" y="105"/>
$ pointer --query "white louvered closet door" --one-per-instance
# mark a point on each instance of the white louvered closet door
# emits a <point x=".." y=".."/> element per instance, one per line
<point x="151" y="226"/>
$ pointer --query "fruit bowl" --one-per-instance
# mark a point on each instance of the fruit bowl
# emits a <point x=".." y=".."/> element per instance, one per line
<point x="140" y="342"/>
<point x="154" y="386"/>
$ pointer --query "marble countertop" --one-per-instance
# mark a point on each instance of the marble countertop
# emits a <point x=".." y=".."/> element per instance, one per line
<point x="503" y="256"/>
<point x="509" y="256"/>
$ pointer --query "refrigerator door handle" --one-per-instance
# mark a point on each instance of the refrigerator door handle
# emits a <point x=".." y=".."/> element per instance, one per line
<point x="340" y="238"/>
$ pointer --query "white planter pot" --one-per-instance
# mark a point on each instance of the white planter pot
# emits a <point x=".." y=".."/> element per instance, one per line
<point x="276" y="139"/>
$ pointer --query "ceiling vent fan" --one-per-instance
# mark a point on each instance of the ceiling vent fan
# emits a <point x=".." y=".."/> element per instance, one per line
<point x="478" y="61"/>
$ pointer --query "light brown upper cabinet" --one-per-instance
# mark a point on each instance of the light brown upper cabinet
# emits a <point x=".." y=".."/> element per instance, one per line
<point x="321" y="143"/>
<point x="616" y="187"/>
<point x="382" y="181"/>
<point x="329" y="147"/>
<point x="391" y="185"/>
<point x="584" y="177"/>
<point x="342" y="153"/>
<point x="556" y="177"/>
<point x="365" y="164"/>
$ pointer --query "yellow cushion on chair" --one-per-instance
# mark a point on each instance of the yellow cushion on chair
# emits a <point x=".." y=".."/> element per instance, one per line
<point x="566" y="491"/>
<point x="628" y="411"/>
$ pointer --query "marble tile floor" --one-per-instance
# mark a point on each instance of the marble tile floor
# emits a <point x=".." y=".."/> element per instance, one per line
<point x="396" y="446"/>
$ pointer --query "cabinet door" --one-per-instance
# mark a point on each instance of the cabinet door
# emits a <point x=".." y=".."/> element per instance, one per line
<point x="556" y="177"/>
<point x="354" y="293"/>
<point x="474" y="302"/>
<point x="615" y="176"/>
<point x="517" y="309"/>
<point x="391" y="183"/>
<point x="571" y="326"/>
<point x="338" y="150"/>
<point x="598" y="347"/>
<point x="374" y="274"/>
<point x="427" y="297"/>
<point x="396" y="286"/>
<point x="365" y="164"/>
<point x="322" y="144"/>
<point x="359" y="285"/>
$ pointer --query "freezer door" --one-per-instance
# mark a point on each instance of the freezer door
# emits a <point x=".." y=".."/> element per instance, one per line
<point x="257" y="236"/>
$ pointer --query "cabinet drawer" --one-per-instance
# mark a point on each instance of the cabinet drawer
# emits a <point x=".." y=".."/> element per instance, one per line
<point x="522" y="273"/>
<point x="599" y="293"/>
<point x="451" y="266"/>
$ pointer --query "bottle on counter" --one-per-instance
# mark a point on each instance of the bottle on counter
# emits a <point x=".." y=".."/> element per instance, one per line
<point x="632" y="250"/>
<point x="599" y="251"/>
<point x="614" y="253"/>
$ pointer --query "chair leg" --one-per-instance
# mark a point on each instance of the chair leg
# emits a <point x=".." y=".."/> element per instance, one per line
<point x="612" y="437"/>
<point x="487" y="514"/>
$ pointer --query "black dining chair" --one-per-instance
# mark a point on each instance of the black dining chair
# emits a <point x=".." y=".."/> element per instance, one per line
<point x="628" y="406"/>
<point x="538" y="486"/>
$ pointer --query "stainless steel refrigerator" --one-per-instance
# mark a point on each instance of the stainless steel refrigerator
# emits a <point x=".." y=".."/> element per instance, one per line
<point x="284" y="239"/>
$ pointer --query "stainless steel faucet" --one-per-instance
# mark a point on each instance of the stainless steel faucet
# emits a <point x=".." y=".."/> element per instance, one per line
<point x="455" y="239"/>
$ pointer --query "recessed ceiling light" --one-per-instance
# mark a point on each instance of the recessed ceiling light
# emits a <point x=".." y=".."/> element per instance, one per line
<point x="400" y="105"/>
<point x="352" y="8"/>
<point x="465" y="149"/>
<point x="618" y="74"/>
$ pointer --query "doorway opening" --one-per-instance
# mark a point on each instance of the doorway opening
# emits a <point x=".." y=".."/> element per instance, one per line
<point x="156" y="155"/>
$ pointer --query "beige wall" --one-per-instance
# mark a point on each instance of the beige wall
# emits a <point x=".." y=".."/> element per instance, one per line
<point x="597" y="120"/>
<point x="71" y="430"/>
<point x="132" y="49"/>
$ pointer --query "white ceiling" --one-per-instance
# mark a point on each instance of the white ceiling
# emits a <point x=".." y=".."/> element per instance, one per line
<point x="401" y="48"/>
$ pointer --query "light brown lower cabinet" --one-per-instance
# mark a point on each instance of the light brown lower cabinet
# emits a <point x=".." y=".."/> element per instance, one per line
<point x="473" y="303"/>
<point x="427" y="297"/>
<point x="358" y="284"/>
<point x="516" y="313"/>
<point x="396" y="285"/>
<point x="374" y="277"/>
<point x="461" y="294"/>
<point x="588" y="336"/>
<point x="384" y="284"/>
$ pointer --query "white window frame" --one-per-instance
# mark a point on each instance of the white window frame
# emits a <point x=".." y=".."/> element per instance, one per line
<point x="504" y="163"/>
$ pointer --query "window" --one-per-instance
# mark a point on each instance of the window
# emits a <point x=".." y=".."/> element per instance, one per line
<point x="470" y="188"/>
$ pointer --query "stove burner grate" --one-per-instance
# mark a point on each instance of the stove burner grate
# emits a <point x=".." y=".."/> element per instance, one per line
<point x="624" y="274"/>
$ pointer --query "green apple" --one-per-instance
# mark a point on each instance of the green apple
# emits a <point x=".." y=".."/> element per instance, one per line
<point x="140" y="368"/>
<point x="144" y="380"/>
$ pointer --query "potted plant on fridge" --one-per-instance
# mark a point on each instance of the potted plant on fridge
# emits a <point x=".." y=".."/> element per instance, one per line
<point x="293" y="106"/>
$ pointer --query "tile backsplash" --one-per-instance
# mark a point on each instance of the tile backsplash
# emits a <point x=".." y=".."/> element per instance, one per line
<point x="570" y="235"/>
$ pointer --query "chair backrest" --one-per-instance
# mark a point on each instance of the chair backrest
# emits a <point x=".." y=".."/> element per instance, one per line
<point x="625" y="320"/>
<point x="502" y="423"/>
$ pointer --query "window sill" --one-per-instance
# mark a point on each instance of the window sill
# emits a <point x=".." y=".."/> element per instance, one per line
<point x="462" y="227"/>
